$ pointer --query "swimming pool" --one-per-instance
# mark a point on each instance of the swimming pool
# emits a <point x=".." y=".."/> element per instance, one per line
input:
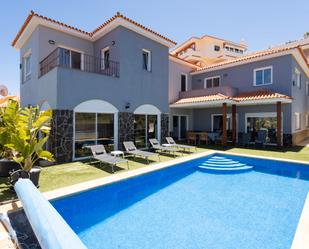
<point x="218" y="201"/>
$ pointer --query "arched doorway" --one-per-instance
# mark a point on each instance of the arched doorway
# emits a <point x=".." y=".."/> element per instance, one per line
<point x="95" y="122"/>
<point x="147" y="124"/>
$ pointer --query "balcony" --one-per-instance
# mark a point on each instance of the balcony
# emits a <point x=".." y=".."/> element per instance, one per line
<point x="70" y="59"/>
<point x="226" y="90"/>
<point x="190" y="53"/>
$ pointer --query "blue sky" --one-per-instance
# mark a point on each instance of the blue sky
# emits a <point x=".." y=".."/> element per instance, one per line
<point x="260" y="23"/>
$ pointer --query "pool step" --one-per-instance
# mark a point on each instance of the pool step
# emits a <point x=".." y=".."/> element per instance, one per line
<point x="217" y="164"/>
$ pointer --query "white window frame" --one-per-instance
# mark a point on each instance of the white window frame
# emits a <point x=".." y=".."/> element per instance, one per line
<point x="77" y="51"/>
<point x="297" y="78"/>
<point x="103" y="50"/>
<point x="264" y="115"/>
<point x="212" y="83"/>
<point x="307" y="88"/>
<point x="26" y="56"/>
<point x="186" y="75"/>
<point x="262" y="69"/>
<point x="179" y="123"/>
<point x="307" y="120"/>
<point x="297" y="120"/>
<point x="149" y="66"/>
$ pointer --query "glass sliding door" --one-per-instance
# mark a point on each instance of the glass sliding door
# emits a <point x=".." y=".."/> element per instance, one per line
<point x="183" y="127"/>
<point x="145" y="127"/>
<point x="105" y="130"/>
<point x="269" y="124"/>
<point x="152" y="130"/>
<point x="140" y="131"/>
<point x="217" y="125"/>
<point x="85" y="133"/>
<point x="180" y="127"/>
<point x="90" y="129"/>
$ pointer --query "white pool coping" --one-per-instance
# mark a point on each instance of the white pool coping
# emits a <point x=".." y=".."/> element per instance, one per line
<point x="301" y="237"/>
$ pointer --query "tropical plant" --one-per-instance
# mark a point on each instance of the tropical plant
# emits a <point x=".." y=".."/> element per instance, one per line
<point x="8" y="118"/>
<point x="22" y="134"/>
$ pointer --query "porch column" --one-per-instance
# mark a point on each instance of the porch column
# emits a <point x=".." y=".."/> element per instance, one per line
<point x="279" y="123"/>
<point x="224" y="133"/>
<point x="234" y="124"/>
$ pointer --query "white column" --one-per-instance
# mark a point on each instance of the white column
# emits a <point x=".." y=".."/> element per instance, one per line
<point x="159" y="127"/>
<point x="116" y="130"/>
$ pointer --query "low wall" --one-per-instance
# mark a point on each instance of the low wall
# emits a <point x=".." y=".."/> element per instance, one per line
<point x="300" y="136"/>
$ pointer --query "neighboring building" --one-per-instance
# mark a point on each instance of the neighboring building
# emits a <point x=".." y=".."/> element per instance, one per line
<point x="119" y="83"/>
<point x="208" y="50"/>
<point x="104" y="86"/>
<point x="5" y="98"/>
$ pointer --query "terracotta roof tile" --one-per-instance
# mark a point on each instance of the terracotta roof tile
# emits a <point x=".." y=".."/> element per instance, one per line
<point x="243" y="97"/>
<point x="259" y="95"/>
<point x="4" y="101"/>
<point x="252" y="56"/>
<point x="90" y="34"/>
<point x="214" y="97"/>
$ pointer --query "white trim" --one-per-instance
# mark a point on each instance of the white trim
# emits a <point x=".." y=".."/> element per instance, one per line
<point x="149" y="66"/>
<point x="262" y="69"/>
<point x="96" y="106"/>
<point x="45" y="106"/>
<point x="297" y="76"/>
<point x="307" y="88"/>
<point x="36" y="21"/>
<point x="182" y="62"/>
<point x="186" y="75"/>
<point x="147" y="109"/>
<point x="103" y="50"/>
<point x="212" y="83"/>
<point x="297" y="118"/>
<point x="234" y="64"/>
<point x="263" y="115"/>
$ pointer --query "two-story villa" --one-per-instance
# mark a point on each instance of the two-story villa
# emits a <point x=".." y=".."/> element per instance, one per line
<point x="104" y="86"/>
<point x="119" y="82"/>
<point x="266" y="90"/>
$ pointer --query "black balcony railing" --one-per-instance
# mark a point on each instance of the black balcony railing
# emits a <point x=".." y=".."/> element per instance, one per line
<point x="61" y="57"/>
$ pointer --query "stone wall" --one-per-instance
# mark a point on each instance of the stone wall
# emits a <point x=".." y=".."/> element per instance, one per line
<point x="164" y="127"/>
<point x="126" y="128"/>
<point x="61" y="135"/>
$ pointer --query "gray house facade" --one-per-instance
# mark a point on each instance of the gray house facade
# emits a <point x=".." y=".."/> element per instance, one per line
<point x="107" y="86"/>
<point x="254" y="92"/>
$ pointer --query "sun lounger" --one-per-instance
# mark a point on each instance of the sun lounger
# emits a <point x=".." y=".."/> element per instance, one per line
<point x="131" y="149"/>
<point x="172" y="142"/>
<point x="156" y="146"/>
<point x="99" y="153"/>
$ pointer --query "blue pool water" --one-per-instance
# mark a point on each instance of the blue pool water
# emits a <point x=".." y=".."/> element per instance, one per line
<point x="213" y="202"/>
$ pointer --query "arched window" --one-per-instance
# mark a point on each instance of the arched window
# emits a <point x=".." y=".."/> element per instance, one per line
<point x="95" y="122"/>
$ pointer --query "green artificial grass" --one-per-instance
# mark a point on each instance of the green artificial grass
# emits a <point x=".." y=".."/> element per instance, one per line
<point x="57" y="176"/>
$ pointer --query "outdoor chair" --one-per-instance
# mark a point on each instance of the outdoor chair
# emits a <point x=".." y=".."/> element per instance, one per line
<point x="172" y="142"/>
<point x="191" y="138"/>
<point x="261" y="138"/>
<point x="131" y="149"/>
<point x="244" y="139"/>
<point x="156" y="146"/>
<point x="99" y="153"/>
<point x="203" y="137"/>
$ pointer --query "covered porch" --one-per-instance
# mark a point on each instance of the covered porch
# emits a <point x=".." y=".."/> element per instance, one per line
<point x="252" y="116"/>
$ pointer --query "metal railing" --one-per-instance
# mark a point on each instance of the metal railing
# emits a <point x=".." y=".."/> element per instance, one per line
<point x="69" y="59"/>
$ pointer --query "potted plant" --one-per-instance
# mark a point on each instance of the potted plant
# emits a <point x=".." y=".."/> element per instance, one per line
<point x="7" y="117"/>
<point x="29" y="133"/>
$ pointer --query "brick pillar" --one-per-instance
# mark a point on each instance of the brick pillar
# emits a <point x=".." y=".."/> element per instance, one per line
<point x="234" y="124"/>
<point x="279" y="123"/>
<point x="224" y="132"/>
